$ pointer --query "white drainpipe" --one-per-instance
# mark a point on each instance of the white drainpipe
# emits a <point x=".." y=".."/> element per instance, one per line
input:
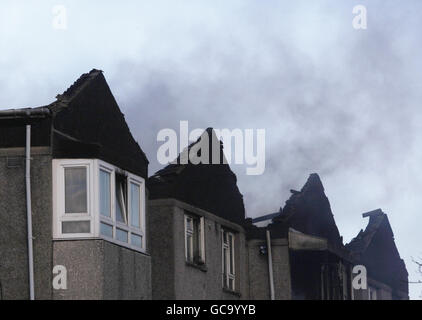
<point x="270" y="265"/>
<point x="29" y="212"/>
<point x="35" y="115"/>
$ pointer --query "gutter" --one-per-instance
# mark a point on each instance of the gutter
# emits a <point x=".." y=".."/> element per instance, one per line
<point x="270" y="266"/>
<point x="28" y="115"/>
<point x="25" y="113"/>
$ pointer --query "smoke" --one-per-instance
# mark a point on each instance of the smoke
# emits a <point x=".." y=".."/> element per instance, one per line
<point x="333" y="100"/>
<point x="346" y="108"/>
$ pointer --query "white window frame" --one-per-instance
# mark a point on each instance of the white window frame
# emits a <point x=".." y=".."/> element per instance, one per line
<point x="230" y="275"/>
<point x="372" y="293"/>
<point x="59" y="198"/>
<point x="201" y="238"/>
<point x="93" y="195"/>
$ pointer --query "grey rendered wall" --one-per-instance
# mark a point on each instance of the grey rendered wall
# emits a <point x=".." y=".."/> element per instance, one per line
<point x="162" y="250"/>
<point x="97" y="269"/>
<point x="13" y="228"/>
<point x="259" y="284"/>
<point x="281" y="267"/>
<point x="384" y="292"/>
<point x="127" y="275"/>
<point x="172" y="276"/>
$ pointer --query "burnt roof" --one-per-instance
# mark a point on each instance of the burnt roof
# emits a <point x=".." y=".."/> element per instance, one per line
<point x="376" y="249"/>
<point x="78" y="85"/>
<point x="211" y="187"/>
<point x="361" y="242"/>
<point x="309" y="211"/>
<point x="85" y="122"/>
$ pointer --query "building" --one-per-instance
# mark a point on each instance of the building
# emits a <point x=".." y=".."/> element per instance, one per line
<point x="87" y="187"/>
<point x="207" y="250"/>
<point x="375" y="248"/>
<point x="85" y="203"/>
<point x="197" y="213"/>
<point x="315" y="260"/>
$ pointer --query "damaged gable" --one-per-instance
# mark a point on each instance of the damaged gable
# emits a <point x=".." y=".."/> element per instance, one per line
<point x="87" y="122"/>
<point x="376" y="249"/>
<point x="211" y="187"/>
<point x="309" y="212"/>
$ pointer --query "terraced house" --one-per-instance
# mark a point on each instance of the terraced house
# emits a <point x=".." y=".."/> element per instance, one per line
<point x="75" y="193"/>
<point x="85" y="192"/>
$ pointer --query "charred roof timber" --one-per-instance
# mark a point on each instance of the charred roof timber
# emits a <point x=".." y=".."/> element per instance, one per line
<point x="372" y="213"/>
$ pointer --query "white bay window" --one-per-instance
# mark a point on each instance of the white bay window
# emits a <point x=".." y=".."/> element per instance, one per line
<point x="93" y="199"/>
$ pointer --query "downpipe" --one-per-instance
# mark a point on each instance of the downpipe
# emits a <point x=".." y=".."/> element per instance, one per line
<point x="29" y="213"/>
<point x="270" y="265"/>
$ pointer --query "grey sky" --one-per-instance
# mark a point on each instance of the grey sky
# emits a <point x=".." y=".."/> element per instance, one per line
<point x="334" y="100"/>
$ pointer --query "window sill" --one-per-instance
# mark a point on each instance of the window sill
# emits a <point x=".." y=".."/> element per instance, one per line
<point x="201" y="267"/>
<point x="104" y="238"/>
<point x="235" y="293"/>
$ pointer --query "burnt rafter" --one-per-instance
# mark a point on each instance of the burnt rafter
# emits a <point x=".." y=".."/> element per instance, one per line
<point x="309" y="211"/>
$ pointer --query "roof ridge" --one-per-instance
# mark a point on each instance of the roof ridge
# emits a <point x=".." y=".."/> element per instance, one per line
<point x="78" y="85"/>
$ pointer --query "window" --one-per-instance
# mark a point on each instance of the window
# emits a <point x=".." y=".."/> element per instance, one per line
<point x="135" y="205"/>
<point x="125" y="223"/>
<point x="92" y="198"/>
<point x="105" y="192"/>
<point x="194" y="239"/>
<point x="229" y="278"/>
<point x="72" y="181"/>
<point x="75" y="180"/>
<point x="372" y="293"/>
<point x="121" y="198"/>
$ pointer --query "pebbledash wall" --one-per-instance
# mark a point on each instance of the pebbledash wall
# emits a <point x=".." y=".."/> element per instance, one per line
<point x="172" y="276"/>
<point x="259" y="284"/>
<point x="13" y="226"/>
<point x="96" y="269"/>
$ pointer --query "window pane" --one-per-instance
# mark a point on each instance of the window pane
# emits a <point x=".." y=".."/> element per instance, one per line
<point x="231" y="252"/>
<point x="135" y="205"/>
<point x="231" y="284"/>
<point x="225" y="261"/>
<point x="189" y="225"/>
<point x="121" y="235"/>
<point x="105" y="193"/>
<point x="106" y="230"/>
<point x="121" y="198"/>
<point x="76" y="227"/>
<point x="136" y="240"/>
<point x="224" y="236"/>
<point x="189" y="248"/>
<point x="75" y="190"/>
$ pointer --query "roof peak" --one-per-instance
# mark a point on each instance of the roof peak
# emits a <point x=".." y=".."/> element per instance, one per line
<point x="313" y="183"/>
<point x="207" y="142"/>
<point x="78" y="85"/>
